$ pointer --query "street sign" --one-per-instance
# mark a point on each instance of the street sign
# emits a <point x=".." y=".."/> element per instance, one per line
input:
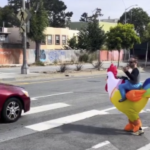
<point x="22" y="28"/>
<point x="29" y="14"/>
<point x="22" y="15"/>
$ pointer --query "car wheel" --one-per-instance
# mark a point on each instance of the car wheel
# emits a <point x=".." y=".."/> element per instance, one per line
<point x="12" y="110"/>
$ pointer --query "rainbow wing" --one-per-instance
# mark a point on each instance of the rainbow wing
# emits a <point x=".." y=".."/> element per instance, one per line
<point x="146" y="86"/>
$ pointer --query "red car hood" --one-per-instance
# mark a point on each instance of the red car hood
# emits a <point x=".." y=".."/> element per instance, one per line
<point x="10" y="86"/>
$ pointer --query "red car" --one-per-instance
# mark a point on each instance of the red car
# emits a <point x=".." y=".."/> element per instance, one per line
<point x="13" y="99"/>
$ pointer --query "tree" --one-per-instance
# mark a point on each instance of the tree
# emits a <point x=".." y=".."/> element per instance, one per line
<point x="73" y="42"/>
<point x="122" y="37"/>
<point x="8" y="17"/>
<point x="138" y="17"/>
<point x="39" y="22"/>
<point x="55" y="9"/>
<point x="146" y="38"/>
<point x="84" y="17"/>
<point x="146" y="34"/>
<point x="92" y="37"/>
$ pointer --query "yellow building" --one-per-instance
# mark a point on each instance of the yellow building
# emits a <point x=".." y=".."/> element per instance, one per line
<point x="57" y="38"/>
<point x="107" y="25"/>
<point x="80" y="25"/>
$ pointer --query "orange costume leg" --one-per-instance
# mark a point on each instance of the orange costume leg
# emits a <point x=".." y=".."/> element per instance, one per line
<point x="137" y="125"/>
<point x="129" y="126"/>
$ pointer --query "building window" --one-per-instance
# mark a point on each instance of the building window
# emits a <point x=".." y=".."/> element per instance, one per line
<point x="57" y="39"/>
<point x="64" y="40"/>
<point x="49" y="39"/>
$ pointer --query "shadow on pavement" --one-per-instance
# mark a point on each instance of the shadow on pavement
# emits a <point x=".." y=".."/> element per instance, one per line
<point x="93" y="130"/>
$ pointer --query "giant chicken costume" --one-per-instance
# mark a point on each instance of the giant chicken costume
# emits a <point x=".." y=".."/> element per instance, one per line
<point x="136" y="99"/>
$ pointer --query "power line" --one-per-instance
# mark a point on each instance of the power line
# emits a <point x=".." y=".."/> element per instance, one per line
<point x="124" y="3"/>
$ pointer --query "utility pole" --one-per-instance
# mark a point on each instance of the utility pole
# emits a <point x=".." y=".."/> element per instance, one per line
<point x="24" y="68"/>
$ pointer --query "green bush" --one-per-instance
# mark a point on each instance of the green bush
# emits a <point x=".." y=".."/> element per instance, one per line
<point x="84" y="58"/>
<point x="63" y="68"/>
<point x="78" y="67"/>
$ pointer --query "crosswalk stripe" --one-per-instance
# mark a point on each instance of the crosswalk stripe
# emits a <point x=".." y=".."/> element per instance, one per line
<point x="101" y="144"/>
<point x="146" y="147"/>
<point x="55" y="94"/>
<point x="45" y="108"/>
<point x="104" y="145"/>
<point x="64" y="120"/>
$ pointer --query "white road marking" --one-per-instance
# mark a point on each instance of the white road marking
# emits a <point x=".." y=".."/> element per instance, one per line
<point x="101" y="144"/>
<point x="109" y="109"/>
<point x="143" y="111"/>
<point x="64" y="120"/>
<point x="145" y="128"/>
<point x="46" y="108"/>
<point x="56" y="94"/>
<point x="146" y="147"/>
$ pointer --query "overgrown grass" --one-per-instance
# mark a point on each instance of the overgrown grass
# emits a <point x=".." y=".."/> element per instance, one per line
<point x="39" y="63"/>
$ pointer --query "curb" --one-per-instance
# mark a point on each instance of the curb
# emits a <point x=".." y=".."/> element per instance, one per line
<point x="59" y="75"/>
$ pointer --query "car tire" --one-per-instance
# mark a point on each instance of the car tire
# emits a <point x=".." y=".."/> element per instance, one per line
<point x="12" y="110"/>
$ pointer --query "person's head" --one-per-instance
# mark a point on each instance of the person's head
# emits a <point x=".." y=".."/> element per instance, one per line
<point x="133" y="62"/>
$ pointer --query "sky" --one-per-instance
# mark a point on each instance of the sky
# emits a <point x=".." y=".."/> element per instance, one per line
<point x="110" y="8"/>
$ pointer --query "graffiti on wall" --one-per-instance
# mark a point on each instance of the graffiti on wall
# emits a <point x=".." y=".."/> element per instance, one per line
<point x="52" y="56"/>
<point x="42" y="55"/>
<point x="56" y="55"/>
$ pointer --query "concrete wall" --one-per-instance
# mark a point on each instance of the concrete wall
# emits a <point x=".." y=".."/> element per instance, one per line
<point x="51" y="56"/>
<point x="10" y="55"/>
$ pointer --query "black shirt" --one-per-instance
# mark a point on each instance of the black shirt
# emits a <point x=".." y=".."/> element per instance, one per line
<point x="134" y="76"/>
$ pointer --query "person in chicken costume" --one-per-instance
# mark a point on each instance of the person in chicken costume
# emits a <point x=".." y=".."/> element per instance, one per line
<point x="135" y="101"/>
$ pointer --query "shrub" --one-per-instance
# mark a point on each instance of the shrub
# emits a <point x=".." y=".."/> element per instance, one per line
<point x="98" y="65"/>
<point x="78" y="67"/>
<point x="84" y="58"/>
<point x="63" y="68"/>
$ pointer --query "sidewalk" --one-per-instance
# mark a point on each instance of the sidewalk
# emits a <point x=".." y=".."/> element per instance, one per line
<point x="37" y="72"/>
<point x="48" y="75"/>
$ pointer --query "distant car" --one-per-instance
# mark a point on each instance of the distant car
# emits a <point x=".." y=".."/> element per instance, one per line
<point x="13" y="99"/>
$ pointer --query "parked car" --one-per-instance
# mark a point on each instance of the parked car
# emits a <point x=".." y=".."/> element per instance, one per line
<point x="13" y="100"/>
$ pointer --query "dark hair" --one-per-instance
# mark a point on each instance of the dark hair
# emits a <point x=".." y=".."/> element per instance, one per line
<point x="135" y="59"/>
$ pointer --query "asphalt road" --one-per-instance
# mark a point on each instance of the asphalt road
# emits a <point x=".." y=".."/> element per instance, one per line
<point x="72" y="114"/>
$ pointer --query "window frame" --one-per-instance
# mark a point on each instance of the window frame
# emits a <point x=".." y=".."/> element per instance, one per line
<point x="56" y="40"/>
<point x="51" y="39"/>
<point x="65" y="39"/>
